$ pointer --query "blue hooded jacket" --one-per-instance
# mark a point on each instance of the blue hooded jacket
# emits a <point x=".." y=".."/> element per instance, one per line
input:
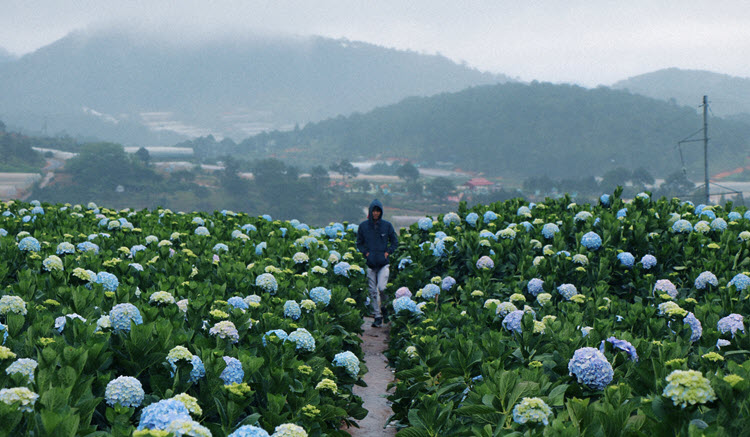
<point x="375" y="237"/>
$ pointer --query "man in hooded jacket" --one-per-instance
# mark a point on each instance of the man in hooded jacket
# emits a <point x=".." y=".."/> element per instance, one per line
<point x="377" y="240"/>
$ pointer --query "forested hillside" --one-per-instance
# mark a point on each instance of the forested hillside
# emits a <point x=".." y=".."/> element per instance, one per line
<point x="517" y="129"/>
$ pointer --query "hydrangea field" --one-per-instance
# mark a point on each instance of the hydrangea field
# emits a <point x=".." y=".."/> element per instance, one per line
<point x="563" y="319"/>
<point x="507" y="319"/>
<point x="159" y="323"/>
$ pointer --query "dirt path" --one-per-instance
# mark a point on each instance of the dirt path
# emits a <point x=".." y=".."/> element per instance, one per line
<point x="375" y="341"/>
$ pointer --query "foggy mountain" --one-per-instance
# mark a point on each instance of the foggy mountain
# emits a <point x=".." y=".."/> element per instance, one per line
<point x="6" y="56"/>
<point x="536" y="129"/>
<point x="727" y="95"/>
<point x="134" y="89"/>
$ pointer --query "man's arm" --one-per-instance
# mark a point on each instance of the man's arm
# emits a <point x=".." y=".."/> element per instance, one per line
<point x="361" y="246"/>
<point x="392" y="241"/>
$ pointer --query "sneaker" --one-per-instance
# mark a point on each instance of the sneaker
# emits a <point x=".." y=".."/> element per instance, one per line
<point x="378" y="322"/>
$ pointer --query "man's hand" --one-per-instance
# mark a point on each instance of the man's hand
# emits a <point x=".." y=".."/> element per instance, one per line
<point x="386" y="255"/>
<point x="367" y="254"/>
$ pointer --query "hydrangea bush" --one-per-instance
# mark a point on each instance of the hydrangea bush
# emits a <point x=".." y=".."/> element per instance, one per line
<point x="620" y="318"/>
<point x="155" y="322"/>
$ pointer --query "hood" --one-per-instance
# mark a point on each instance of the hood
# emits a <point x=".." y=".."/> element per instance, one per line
<point x="375" y="203"/>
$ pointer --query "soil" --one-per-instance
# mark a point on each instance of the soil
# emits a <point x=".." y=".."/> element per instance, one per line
<point x="379" y="375"/>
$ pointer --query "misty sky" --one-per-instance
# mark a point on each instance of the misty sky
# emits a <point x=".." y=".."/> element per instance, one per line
<point x="589" y="42"/>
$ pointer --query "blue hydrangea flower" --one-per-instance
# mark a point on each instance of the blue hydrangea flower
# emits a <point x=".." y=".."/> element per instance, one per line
<point x="731" y="323"/>
<point x="549" y="230"/>
<point x="29" y="244"/>
<point x="532" y="410"/>
<point x="591" y="241"/>
<point x="136" y="248"/>
<point x="623" y="345"/>
<point x="430" y="291"/>
<point x="643" y="196"/>
<point x="582" y="216"/>
<point x="65" y="248"/>
<point x="249" y="431"/>
<point x="448" y="283"/>
<point x="3" y="232"/>
<point x="425" y="223"/>
<point x="160" y="414"/>
<point x="535" y="286"/>
<point x="523" y="211"/>
<point x="604" y="199"/>
<point x="708" y="213"/>
<point x="249" y="228"/>
<point x="682" y="226"/>
<point x="648" y="261"/>
<point x="280" y="333"/>
<point x="485" y="234"/>
<point x="622" y="213"/>
<point x="451" y="219"/>
<point x="122" y="314"/>
<point x="740" y="282"/>
<point x="23" y="366"/>
<point x="626" y="259"/>
<point x="266" y="217"/>
<point x="267" y="282"/>
<point x="567" y="291"/>
<point x="591" y="368"/>
<point x="695" y="326"/>
<point x="202" y="231"/>
<point x="260" y="247"/>
<point x="512" y="321"/>
<point x="472" y="218"/>
<point x="187" y="428"/>
<point x="704" y="279"/>
<point x="198" y="371"/>
<point x="88" y="246"/>
<point x="349" y="361"/>
<point x="198" y="221"/>
<point x="666" y="286"/>
<point x="108" y="280"/>
<point x="303" y="339"/>
<point x="320" y="295"/>
<point x="746" y="215"/>
<point x="292" y="309"/>
<point x="734" y="216"/>
<point x="405" y="303"/>
<point x="342" y="269"/>
<point x="485" y="263"/>
<point x="232" y="373"/>
<point x="237" y="302"/>
<point x="220" y="247"/>
<point x="489" y="216"/>
<point x="527" y="226"/>
<point x="719" y="225"/>
<point x="125" y="391"/>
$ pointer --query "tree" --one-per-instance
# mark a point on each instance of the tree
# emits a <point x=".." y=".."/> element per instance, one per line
<point x="230" y="178"/>
<point x="677" y="184"/>
<point x="346" y="168"/>
<point x="441" y="187"/>
<point x="613" y="178"/>
<point x="104" y="165"/>
<point x="641" y="176"/>
<point x="408" y="172"/>
<point x="319" y="177"/>
<point x="143" y="155"/>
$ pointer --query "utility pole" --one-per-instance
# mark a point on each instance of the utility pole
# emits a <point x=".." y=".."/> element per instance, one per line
<point x="705" y="147"/>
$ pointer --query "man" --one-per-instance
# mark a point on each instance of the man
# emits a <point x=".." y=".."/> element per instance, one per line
<point x="377" y="240"/>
